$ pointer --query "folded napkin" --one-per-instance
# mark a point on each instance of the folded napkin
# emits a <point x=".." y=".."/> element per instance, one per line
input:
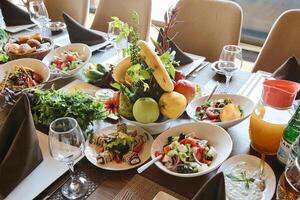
<point x="79" y="34"/>
<point x="14" y="15"/>
<point x="214" y="189"/>
<point x="20" y="152"/>
<point x="180" y="56"/>
<point x="290" y="70"/>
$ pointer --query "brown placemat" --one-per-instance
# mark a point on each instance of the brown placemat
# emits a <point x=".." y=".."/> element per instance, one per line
<point x="143" y="189"/>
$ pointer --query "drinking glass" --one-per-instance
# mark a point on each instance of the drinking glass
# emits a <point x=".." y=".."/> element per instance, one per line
<point x="38" y="14"/>
<point x="112" y="34"/>
<point x="66" y="144"/>
<point x="230" y="61"/>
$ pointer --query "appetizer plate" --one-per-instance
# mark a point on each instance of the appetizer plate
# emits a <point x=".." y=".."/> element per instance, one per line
<point x="83" y="51"/>
<point x="246" y="104"/>
<point x="91" y="154"/>
<point x="34" y="64"/>
<point x="253" y="162"/>
<point x="215" y="135"/>
<point x="152" y="128"/>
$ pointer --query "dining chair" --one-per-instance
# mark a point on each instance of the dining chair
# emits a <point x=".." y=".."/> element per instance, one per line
<point x="205" y="26"/>
<point x="282" y="42"/>
<point x="78" y="9"/>
<point x="124" y="11"/>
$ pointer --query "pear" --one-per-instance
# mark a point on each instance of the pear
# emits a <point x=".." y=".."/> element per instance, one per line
<point x="125" y="106"/>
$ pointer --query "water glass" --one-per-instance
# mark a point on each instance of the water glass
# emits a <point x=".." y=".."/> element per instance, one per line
<point x="38" y="14"/>
<point x="66" y="144"/>
<point x="230" y="61"/>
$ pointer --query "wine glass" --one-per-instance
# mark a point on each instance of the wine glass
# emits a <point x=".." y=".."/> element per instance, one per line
<point x="112" y="34"/>
<point x="38" y="14"/>
<point x="66" y="144"/>
<point x="230" y="61"/>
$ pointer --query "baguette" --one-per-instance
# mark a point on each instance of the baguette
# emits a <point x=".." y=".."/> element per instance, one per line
<point x="159" y="71"/>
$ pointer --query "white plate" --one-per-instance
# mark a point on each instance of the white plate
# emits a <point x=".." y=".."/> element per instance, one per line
<point x="15" y="29"/>
<point x="64" y="40"/>
<point x="215" y="68"/>
<point x="215" y="135"/>
<point x="246" y="104"/>
<point x="91" y="154"/>
<point x="253" y="161"/>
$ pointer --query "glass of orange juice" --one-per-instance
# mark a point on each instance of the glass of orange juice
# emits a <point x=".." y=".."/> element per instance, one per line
<point x="266" y="129"/>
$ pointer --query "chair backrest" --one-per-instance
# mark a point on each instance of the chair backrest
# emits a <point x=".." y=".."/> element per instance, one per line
<point x="282" y="42"/>
<point x="123" y="9"/>
<point x="77" y="9"/>
<point x="207" y="26"/>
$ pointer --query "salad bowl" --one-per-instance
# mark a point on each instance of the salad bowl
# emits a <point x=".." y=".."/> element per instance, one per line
<point x="245" y="104"/>
<point x="81" y="50"/>
<point x="216" y="137"/>
<point x="33" y="64"/>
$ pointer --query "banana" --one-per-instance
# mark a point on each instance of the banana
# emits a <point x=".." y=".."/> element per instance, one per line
<point x="119" y="72"/>
<point x="159" y="71"/>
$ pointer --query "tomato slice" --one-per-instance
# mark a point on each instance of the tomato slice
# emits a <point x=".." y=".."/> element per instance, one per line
<point x="191" y="141"/>
<point x="138" y="148"/>
<point x="70" y="57"/>
<point x="158" y="153"/>
<point x="211" y="114"/>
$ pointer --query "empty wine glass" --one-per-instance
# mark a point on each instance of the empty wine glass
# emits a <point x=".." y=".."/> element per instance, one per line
<point x="66" y="144"/>
<point x="38" y="14"/>
<point x="230" y="61"/>
<point x="112" y="34"/>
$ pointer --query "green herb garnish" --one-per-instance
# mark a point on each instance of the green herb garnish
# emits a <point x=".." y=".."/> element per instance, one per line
<point x="242" y="178"/>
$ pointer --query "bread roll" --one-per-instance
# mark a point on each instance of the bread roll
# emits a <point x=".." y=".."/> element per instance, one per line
<point x="119" y="72"/>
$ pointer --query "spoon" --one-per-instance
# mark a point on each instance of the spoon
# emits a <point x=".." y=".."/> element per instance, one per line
<point x="148" y="164"/>
<point x="262" y="185"/>
<point x="213" y="91"/>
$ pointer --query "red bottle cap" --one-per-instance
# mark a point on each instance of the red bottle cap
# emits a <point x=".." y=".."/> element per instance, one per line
<point x="279" y="93"/>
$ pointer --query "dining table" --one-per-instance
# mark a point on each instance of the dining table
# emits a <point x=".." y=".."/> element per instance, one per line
<point x="107" y="184"/>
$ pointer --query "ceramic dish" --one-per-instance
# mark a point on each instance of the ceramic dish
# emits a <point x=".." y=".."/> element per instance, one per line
<point x="83" y="51"/>
<point x="215" y="135"/>
<point x="252" y="162"/>
<point x="144" y="155"/>
<point x="245" y="103"/>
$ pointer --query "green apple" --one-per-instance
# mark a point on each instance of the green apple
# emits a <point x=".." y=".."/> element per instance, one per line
<point x="146" y="110"/>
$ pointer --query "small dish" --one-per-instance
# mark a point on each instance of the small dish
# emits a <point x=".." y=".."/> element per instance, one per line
<point x="253" y="162"/>
<point x="56" y="27"/>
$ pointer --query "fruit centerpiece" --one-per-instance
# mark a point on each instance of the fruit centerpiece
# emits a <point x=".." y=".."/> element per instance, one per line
<point x="150" y="88"/>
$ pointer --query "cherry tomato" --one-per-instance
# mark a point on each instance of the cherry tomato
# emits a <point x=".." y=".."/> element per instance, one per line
<point x="70" y="57"/>
<point x="211" y="114"/>
<point x="199" y="154"/>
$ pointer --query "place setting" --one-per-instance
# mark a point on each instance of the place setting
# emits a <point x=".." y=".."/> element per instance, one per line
<point x="120" y="112"/>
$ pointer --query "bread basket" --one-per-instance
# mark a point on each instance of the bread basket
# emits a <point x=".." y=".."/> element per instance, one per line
<point x="40" y="54"/>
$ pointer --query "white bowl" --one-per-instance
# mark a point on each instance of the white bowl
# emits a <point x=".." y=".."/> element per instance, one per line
<point x="82" y="49"/>
<point x="215" y="135"/>
<point x="246" y="104"/>
<point x="31" y="63"/>
<point x="152" y="128"/>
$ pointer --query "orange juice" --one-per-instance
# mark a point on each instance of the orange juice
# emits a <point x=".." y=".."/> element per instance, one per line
<point x="265" y="135"/>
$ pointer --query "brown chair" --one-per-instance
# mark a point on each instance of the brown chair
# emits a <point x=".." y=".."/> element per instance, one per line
<point x="77" y="9"/>
<point x="282" y="42"/>
<point x="207" y="26"/>
<point x="124" y="9"/>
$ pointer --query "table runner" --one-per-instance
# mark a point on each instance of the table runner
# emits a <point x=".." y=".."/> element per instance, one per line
<point x="142" y="188"/>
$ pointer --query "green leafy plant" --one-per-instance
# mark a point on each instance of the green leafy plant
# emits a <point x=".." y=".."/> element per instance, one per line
<point x="52" y="104"/>
<point x="3" y="40"/>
